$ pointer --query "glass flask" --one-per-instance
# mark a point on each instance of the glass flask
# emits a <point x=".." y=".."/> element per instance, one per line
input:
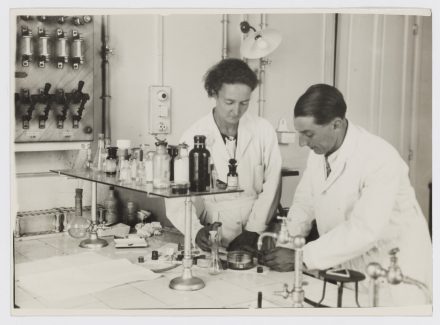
<point x="199" y="175"/>
<point x="111" y="161"/>
<point x="181" y="165"/>
<point x="215" y="265"/>
<point x="161" y="166"/>
<point x="78" y="225"/>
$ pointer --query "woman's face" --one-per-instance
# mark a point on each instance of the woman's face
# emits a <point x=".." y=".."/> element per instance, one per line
<point x="232" y="102"/>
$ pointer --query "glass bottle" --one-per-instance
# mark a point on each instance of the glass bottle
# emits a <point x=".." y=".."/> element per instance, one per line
<point x="125" y="171"/>
<point x="100" y="154"/>
<point x="111" y="207"/>
<point x="181" y="165"/>
<point x="134" y="163"/>
<point x="140" y="170"/>
<point x="199" y="176"/>
<point x="78" y="225"/>
<point x="111" y="161"/>
<point x="215" y="265"/>
<point x="161" y="166"/>
<point x="148" y="164"/>
<point x="232" y="180"/>
<point x="173" y="152"/>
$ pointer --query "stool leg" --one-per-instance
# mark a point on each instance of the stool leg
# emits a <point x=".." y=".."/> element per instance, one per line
<point x="323" y="292"/>
<point x="356" y="292"/>
<point x="340" y="289"/>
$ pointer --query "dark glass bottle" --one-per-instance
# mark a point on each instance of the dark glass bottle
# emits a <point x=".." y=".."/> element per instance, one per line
<point x="199" y="165"/>
<point x="232" y="175"/>
<point x="110" y="163"/>
<point x="78" y="201"/>
<point x="173" y="151"/>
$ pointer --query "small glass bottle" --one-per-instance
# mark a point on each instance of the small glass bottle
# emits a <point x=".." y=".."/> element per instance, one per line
<point x="111" y="161"/>
<point x="181" y="165"/>
<point x="199" y="177"/>
<point x="173" y="152"/>
<point x="111" y="207"/>
<point x="100" y="154"/>
<point x="161" y="166"/>
<point x="232" y="175"/>
<point x="148" y="164"/>
<point x="125" y="171"/>
<point x="140" y="170"/>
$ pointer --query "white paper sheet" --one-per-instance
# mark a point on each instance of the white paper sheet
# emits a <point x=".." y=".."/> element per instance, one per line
<point x="81" y="278"/>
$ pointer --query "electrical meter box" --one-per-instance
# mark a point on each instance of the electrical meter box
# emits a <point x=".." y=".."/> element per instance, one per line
<point x="54" y="78"/>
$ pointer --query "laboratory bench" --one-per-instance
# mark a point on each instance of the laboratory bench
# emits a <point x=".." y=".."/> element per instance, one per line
<point x="231" y="289"/>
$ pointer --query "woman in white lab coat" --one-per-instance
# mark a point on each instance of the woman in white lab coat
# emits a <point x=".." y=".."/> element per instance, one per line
<point x="232" y="132"/>
<point x="356" y="187"/>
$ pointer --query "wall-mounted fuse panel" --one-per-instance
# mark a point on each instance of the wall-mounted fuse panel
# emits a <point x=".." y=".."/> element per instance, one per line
<point x="160" y="109"/>
<point x="54" y="79"/>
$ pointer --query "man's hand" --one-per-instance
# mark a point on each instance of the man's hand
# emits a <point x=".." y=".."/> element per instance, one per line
<point x="202" y="239"/>
<point x="246" y="241"/>
<point x="280" y="259"/>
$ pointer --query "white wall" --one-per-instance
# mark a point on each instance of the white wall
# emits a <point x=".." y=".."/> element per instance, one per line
<point x="192" y="43"/>
<point x="376" y="64"/>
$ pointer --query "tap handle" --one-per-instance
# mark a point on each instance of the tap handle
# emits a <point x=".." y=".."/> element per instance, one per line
<point x="46" y="89"/>
<point x="80" y="86"/>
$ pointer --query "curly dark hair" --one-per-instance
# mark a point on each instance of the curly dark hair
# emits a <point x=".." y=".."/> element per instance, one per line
<point x="323" y="102"/>
<point x="229" y="71"/>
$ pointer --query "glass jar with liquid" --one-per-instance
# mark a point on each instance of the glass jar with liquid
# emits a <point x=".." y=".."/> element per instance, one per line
<point x="161" y="166"/>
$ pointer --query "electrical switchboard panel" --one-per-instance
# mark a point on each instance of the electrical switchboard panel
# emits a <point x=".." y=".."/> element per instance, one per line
<point x="54" y="78"/>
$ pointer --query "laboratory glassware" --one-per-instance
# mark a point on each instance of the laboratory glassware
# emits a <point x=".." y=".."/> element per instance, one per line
<point x="161" y="166"/>
<point x="199" y="175"/>
<point x="181" y="165"/>
<point x="232" y="175"/>
<point x="100" y="155"/>
<point x="215" y="265"/>
<point x="111" y="161"/>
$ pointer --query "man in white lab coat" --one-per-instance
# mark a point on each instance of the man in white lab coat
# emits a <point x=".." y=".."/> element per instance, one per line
<point x="232" y="132"/>
<point x="356" y="187"/>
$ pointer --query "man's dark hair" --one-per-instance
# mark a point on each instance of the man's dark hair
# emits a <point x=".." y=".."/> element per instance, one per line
<point x="229" y="71"/>
<point x="323" y="102"/>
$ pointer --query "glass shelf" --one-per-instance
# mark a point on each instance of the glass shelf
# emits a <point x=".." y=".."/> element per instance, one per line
<point x="185" y="282"/>
<point x="103" y="178"/>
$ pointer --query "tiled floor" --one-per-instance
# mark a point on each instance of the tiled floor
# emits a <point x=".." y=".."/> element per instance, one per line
<point x="230" y="289"/>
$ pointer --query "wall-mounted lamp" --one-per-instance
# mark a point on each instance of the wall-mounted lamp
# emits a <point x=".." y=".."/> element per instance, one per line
<point x="258" y="44"/>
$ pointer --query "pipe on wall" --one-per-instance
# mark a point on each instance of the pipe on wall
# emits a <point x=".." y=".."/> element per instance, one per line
<point x="105" y="53"/>
<point x="262" y="73"/>
<point x="224" y="36"/>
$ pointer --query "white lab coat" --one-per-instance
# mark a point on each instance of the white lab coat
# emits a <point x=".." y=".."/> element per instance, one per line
<point x="259" y="173"/>
<point x="363" y="209"/>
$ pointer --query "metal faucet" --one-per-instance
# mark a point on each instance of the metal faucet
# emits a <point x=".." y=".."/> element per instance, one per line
<point x="283" y="237"/>
<point x="394" y="276"/>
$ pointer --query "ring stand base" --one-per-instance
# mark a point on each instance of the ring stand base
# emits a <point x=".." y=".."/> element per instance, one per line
<point x="187" y="284"/>
<point x="93" y="243"/>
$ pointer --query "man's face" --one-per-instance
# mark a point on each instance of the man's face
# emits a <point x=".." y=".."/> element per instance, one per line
<point x="322" y="139"/>
<point x="232" y="102"/>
